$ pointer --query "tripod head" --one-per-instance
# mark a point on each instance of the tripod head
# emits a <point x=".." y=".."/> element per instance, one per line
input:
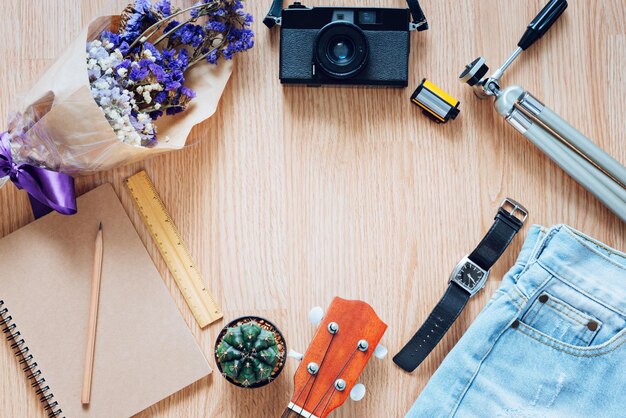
<point x="474" y="73"/>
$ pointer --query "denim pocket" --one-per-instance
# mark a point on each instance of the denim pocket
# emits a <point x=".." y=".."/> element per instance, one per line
<point x="561" y="321"/>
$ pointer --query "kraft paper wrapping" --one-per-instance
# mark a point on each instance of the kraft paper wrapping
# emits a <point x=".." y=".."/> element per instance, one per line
<point x="67" y="131"/>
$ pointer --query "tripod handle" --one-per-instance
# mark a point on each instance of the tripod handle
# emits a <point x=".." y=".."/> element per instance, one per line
<point x="542" y="23"/>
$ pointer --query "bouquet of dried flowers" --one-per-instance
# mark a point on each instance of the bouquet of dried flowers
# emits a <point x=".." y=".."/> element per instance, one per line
<point x="138" y="74"/>
<point x="144" y="80"/>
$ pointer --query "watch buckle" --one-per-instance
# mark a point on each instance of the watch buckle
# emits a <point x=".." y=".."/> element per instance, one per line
<point x="513" y="207"/>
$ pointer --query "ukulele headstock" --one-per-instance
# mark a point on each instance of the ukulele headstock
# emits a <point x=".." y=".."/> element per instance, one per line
<point x="345" y="341"/>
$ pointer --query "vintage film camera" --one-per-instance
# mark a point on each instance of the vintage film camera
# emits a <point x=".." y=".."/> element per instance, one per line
<point x="345" y="45"/>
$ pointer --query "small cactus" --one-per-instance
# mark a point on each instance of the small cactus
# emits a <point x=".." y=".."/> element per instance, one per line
<point x="250" y="353"/>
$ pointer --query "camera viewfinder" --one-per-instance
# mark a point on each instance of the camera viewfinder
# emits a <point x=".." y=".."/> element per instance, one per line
<point x="368" y="17"/>
<point x="344" y="15"/>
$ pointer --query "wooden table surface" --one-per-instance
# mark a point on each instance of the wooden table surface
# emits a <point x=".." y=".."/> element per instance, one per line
<point x="290" y="196"/>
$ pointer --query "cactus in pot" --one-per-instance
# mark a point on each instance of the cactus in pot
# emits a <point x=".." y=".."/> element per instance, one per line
<point x="250" y="352"/>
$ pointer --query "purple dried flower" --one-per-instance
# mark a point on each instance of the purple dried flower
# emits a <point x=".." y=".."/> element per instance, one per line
<point x="168" y="54"/>
<point x="159" y="72"/>
<point x="175" y="81"/>
<point x="164" y="7"/>
<point x="144" y="63"/>
<point x="143" y="6"/>
<point x="132" y="28"/>
<point x="152" y="54"/>
<point x="156" y="114"/>
<point x="191" y="35"/>
<point x="195" y="12"/>
<point x="153" y="50"/>
<point x="114" y="38"/>
<point x="161" y="97"/>
<point x="216" y="26"/>
<point x="125" y="64"/>
<point x="183" y="56"/>
<point x="171" y="25"/>
<point x="174" y="110"/>
<point x="138" y="73"/>
<point x="212" y="57"/>
<point x="187" y="92"/>
<point x="124" y="47"/>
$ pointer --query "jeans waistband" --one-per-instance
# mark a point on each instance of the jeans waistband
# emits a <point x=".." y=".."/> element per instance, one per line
<point x="585" y="263"/>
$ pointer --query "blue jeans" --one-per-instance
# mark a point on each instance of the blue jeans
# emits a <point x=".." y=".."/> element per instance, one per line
<point x="550" y="342"/>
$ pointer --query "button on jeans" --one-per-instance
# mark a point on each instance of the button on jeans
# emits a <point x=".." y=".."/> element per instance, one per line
<point x="549" y="343"/>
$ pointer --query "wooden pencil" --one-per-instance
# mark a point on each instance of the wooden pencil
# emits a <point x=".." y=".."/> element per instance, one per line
<point x="93" y="318"/>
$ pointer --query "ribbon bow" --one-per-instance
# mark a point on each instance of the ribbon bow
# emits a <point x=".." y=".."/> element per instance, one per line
<point x="48" y="190"/>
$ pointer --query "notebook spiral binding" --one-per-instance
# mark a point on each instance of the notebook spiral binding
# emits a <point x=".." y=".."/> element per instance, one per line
<point x="30" y="367"/>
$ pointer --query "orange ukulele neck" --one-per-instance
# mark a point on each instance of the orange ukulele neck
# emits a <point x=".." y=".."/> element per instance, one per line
<point x="342" y="346"/>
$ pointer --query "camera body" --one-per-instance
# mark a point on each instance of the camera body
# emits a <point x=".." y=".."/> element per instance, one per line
<point x="345" y="46"/>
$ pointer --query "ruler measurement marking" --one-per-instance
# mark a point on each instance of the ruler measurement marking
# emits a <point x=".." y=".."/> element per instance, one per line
<point x="171" y="245"/>
<point x="169" y="260"/>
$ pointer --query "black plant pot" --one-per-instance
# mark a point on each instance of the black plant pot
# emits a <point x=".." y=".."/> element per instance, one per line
<point x="280" y="344"/>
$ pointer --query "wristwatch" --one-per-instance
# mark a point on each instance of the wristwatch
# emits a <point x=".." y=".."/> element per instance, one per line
<point x="468" y="277"/>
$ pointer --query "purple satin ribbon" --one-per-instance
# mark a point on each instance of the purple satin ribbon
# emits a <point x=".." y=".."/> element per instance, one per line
<point x="48" y="190"/>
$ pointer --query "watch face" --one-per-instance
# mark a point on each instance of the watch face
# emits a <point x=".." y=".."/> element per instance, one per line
<point x="470" y="275"/>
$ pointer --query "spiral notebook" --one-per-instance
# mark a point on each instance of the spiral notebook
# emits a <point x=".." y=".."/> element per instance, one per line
<point x="144" y="350"/>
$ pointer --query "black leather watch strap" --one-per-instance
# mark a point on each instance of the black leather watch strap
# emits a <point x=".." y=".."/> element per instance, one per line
<point x="428" y="336"/>
<point x="497" y="240"/>
<point x="505" y="227"/>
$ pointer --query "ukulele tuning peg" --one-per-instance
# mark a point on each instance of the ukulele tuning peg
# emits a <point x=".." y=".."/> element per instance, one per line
<point x="380" y="352"/>
<point x="358" y="392"/>
<point x="295" y="354"/>
<point x="315" y="315"/>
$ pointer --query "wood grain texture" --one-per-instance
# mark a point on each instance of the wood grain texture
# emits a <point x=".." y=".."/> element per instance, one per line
<point x="290" y="196"/>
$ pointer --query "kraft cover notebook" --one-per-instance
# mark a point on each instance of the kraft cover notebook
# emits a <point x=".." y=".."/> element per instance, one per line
<point x="144" y="350"/>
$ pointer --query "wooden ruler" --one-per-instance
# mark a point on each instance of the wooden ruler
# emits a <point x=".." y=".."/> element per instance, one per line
<point x="173" y="249"/>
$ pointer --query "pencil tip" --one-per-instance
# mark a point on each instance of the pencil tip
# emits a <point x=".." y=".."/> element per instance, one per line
<point x="100" y="227"/>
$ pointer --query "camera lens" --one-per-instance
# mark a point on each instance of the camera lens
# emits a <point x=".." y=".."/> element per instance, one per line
<point x="341" y="49"/>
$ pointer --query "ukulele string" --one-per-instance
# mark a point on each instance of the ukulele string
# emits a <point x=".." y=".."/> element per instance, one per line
<point x="313" y="376"/>
<point x="332" y="338"/>
<point x="296" y="400"/>
<point x="328" y="401"/>
<point x="332" y="384"/>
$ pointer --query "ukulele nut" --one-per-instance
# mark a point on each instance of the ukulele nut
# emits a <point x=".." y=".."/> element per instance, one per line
<point x="340" y="385"/>
<point x="333" y="328"/>
<point x="313" y="368"/>
<point x="363" y="345"/>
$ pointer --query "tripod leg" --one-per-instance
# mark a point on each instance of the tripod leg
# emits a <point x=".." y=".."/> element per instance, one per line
<point x="573" y="137"/>
<point x="585" y="173"/>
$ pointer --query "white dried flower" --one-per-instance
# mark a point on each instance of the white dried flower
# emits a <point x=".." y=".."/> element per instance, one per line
<point x="118" y="103"/>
